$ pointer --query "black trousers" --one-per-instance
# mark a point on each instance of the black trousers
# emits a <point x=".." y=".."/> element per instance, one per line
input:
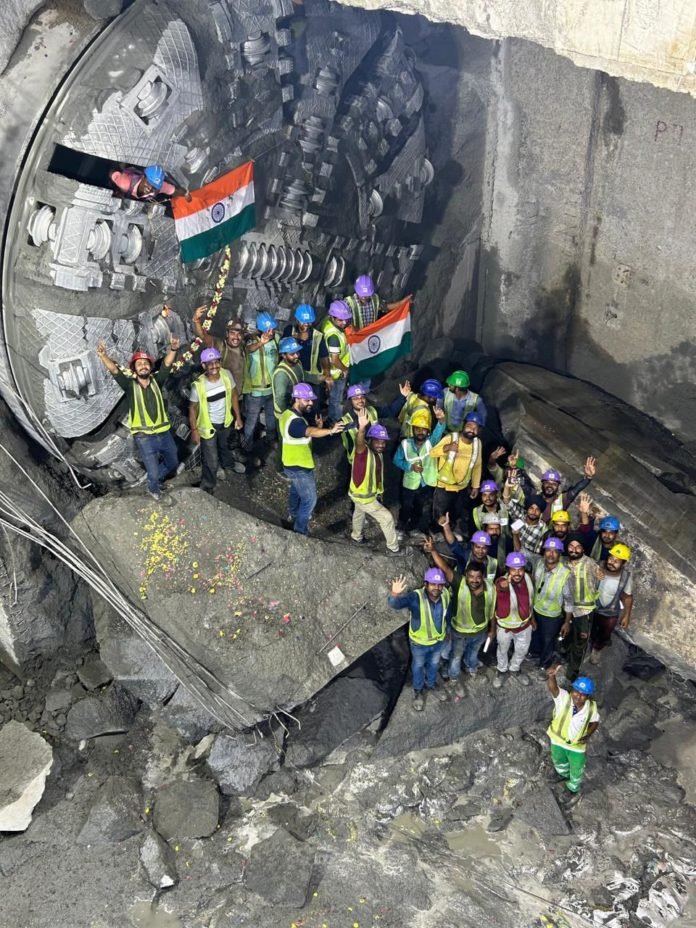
<point x="215" y="451"/>
<point x="580" y="632"/>
<point x="544" y="638"/>
<point x="457" y="504"/>
<point x="416" y="510"/>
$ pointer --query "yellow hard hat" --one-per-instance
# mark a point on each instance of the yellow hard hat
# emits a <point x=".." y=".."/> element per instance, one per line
<point x="623" y="552"/>
<point x="421" y="420"/>
<point x="560" y="516"/>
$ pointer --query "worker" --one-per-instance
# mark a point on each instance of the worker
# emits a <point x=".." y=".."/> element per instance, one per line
<point x="478" y="550"/>
<point x="614" y="599"/>
<point x="333" y="328"/>
<point x="145" y="184"/>
<point x="430" y="609"/>
<point x="148" y="422"/>
<point x="551" y="488"/>
<point x="490" y="503"/>
<point x="296" y="455"/>
<point x="231" y="348"/>
<point x="213" y="408"/>
<point x="367" y="483"/>
<point x="529" y="535"/>
<point x="585" y="574"/>
<point x="425" y="399"/>
<point x="501" y="543"/>
<point x="553" y="600"/>
<point x="314" y="355"/>
<point x="357" y="399"/>
<point x="560" y="527"/>
<point x="261" y="360"/>
<point x="515" y="469"/>
<point x="365" y="305"/>
<point x="458" y="456"/>
<point x="575" y="720"/>
<point x="287" y="374"/>
<point x="600" y="542"/>
<point x="459" y="400"/>
<point x="513" y="620"/>
<point x="420" y="474"/>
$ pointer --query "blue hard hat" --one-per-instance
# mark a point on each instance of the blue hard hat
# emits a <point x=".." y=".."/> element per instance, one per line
<point x="288" y="345"/>
<point x="474" y="417"/>
<point x="154" y="175"/>
<point x="265" y="322"/>
<point x="584" y="685"/>
<point x="305" y="314"/>
<point x="610" y="524"/>
<point x="432" y="388"/>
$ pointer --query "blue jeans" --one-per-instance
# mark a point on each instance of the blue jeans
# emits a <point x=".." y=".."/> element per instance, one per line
<point x="545" y="638"/>
<point x="159" y="456"/>
<point x="336" y="399"/>
<point x="303" y="497"/>
<point x="253" y="407"/>
<point x="464" y="647"/>
<point x="424" y="662"/>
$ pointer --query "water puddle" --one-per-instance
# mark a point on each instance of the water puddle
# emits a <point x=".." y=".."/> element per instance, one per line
<point x="142" y="915"/>
<point x="472" y="842"/>
<point x="407" y="827"/>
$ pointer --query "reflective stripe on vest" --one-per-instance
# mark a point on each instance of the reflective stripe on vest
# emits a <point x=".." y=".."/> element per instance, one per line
<point x="203" y="423"/>
<point x="443" y="462"/>
<point x="500" y="510"/>
<point x="557" y="504"/>
<point x="428" y="633"/>
<point x="412" y="479"/>
<point x="548" y="596"/>
<point x="348" y="437"/>
<point x="359" y="321"/>
<point x="260" y="365"/>
<point x="314" y="367"/>
<point x="584" y="594"/>
<point x="514" y="619"/>
<point x="596" y="553"/>
<point x="560" y="725"/>
<point x="329" y="329"/>
<point x="292" y="374"/>
<point x="369" y="489"/>
<point x="491" y="566"/>
<point x="463" y="621"/>
<point x="138" y="418"/>
<point x="412" y="405"/>
<point x="297" y="452"/>
<point x="448" y="405"/>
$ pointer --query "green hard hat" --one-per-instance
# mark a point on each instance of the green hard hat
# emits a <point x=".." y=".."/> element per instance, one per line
<point x="458" y="379"/>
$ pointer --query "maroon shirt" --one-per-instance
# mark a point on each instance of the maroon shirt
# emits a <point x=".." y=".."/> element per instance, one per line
<point x="524" y="606"/>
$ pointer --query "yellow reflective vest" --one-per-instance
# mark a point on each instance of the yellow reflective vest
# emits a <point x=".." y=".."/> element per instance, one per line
<point x="369" y="488"/>
<point x="138" y="417"/>
<point x="296" y="452"/>
<point x="427" y="633"/>
<point x="329" y="329"/>
<point x="463" y="621"/>
<point x="559" y="728"/>
<point x="205" y="427"/>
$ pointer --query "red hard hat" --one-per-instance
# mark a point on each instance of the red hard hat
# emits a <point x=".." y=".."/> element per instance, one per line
<point x="141" y="356"/>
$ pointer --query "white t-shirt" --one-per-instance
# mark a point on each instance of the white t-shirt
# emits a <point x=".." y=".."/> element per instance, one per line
<point x="608" y="587"/>
<point x="578" y="719"/>
<point x="215" y="392"/>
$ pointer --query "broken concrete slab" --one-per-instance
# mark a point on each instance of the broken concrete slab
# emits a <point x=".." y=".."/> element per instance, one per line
<point x="238" y="762"/>
<point x="111" y="712"/>
<point x="25" y="762"/>
<point x="115" y="813"/>
<point x="280" y="870"/>
<point x="187" y="808"/>
<point x="158" y="861"/>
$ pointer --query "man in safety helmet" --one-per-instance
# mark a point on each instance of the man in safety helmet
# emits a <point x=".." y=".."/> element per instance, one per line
<point x="430" y="609"/>
<point x="261" y="360"/>
<point x="144" y="184"/>
<point x="480" y="549"/>
<point x="553" y="600"/>
<point x="424" y="400"/>
<point x="551" y="489"/>
<point x="333" y="328"/>
<point x="585" y="575"/>
<point x="490" y="505"/>
<point x="296" y="455"/>
<point x="314" y="355"/>
<point x="148" y="421"/>
<point x="458" y="457"/>
<point x="367" y="483"/>
<point x="231" y="348"/>
<point x="614" y="599"/>
<point x="287" y="374"/>
<point x="526" y="528"/>
<point x="357" y="395"/>
<point x="598" y="543"/>
<point x="575" y="720"/>
<point x="513" y="621"/>
<point x="420" y="473"/>
<point x="365" y="305"/>
<point x="213" y="410"/>
<point x="514" y="472"/>
<point x="560" y="526"/>
<point x="459" y="400"/>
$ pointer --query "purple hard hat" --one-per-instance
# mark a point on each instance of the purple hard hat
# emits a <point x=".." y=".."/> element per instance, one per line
<point x="378" y="431"/>
<point x="489" y="486"/>
<point x="209" y="354"/>
<point x="516" y="559"/>
<point x="303" y="391"/>
<point x="364" y="286"/>
<point x="551" y="475"/>
<point x="358" y="389"/>
<point x="480" y="538"/>
<point x="339" y="309"/>
<point x="553" y="544"/>
<point x="435" y="575"/>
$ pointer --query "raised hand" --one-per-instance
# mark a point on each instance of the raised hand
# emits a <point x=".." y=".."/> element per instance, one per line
<point x="101" y="348"/>
<point x="363" y="420"/>
<point x="513" y="457"/>
<point x="398" y="585"/>
<point x="199" y="313"/>
<point x="428" y="544"/>
<point x="496" y="454"/>
<point x="439" y="413"/>
<point x="405" y="388"/>
<point x="444" y="521"/>
<point x="590" y="468"/>
<point x="584" y="504"/>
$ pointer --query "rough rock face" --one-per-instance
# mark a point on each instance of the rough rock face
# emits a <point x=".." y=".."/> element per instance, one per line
<point x="25" y="760"/>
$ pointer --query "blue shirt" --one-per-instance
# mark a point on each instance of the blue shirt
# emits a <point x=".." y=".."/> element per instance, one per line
<point x="410" y="601"/>
<point x="458" y="407"/>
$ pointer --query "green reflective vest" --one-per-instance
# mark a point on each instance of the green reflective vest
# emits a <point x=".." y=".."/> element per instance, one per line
<point x="548" y="589"/>
<point x="328" y="328"/>
<point x="448" y="405"/>
<point x="314" y="373"/>
<point x="348" y="437"/>
<point x="296" y="452"/>
<point x="285" y="377"/>
<point x="413" y="404"/>
<point x="412" y="479"/>
<point x="369" y="488"/>
<point x="428" y="633"/>
<point x="560" y="725"/>
<point x="585" y="591"/>
<point x="463" y="621"/>
<point x="205" y="427"/>
<point x="259" y="367"/>
<point x="356" y="308"/>
<point x="138" y="418"/>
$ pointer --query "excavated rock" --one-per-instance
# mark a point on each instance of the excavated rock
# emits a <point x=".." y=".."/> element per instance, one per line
<point x="158" y="861"/>
<point x="238" y="762"/>
<point x="187" y="809"/>
<point x="115" y="813"/>
<point x="25" y="761"/>
<point x="111" y="712"/>
<point x="290" y="863"/>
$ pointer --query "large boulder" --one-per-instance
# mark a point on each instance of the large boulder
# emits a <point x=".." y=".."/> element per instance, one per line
<point x="25" y="761"/>
<point x="187" y="808"/>
<point x="114" y="816"/>
<point x="280" y="870"/>
<point x="238" y="762"/>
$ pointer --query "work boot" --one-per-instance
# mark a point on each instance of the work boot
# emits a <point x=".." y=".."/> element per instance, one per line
<point x="156" y="495"/>
<point x="595" y="656"/>
<point x="398" y="553"/>
<point x="556" y="777"/>
<point x="569" y="799"/>
<point x="499" y="679"/>
<point x="521" y="678"/>
<point x="418" y="700"/>
<point x="440" y="693"/>
<point x="358" y="541"/>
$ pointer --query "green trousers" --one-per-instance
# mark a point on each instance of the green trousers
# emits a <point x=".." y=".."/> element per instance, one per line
<point x="570" y="765"/>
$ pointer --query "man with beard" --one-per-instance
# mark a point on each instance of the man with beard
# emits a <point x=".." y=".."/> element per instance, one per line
<point x="430" y="609"/>
<point x="459" y="400"/>
<point x="551" y="489"/>
<point x="530" y="535"/>
<point x="333" y="328"/>
<point x="490" y="503"/>
<point x="458" y="456"/>
<point x="513" y="622"/>
<point x="261" y="361"/>
<point x="553" y="600"/>
<point x="560" y="527"/>
<point x="424" y="401"/>
<point x="614" y="599"/>
<point x="357" y="400"/>
<point x="367" y="483"/>
<point x="147" y="414"/>
<point x="480" y="550"/>
<point x="575" y="720"/>
<point x="314" y="355"/>
<point x="598" y="543"/>
<point x="585" y="574"/>
<point x="287" y="374"/>
<point x="420" y="474"/>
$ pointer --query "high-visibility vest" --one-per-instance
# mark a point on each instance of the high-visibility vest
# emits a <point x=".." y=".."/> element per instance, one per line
<point x="597" y="549"/>
<point x="448" y="405"/>
<point x="314" y="373"/>
<point x="548" y="594"/>
<point x="359" y="320"/>
<point x="205" y="427"/>
<point x="463" y="621"/>
<point x="138" y="417"/>
<point x="491" y="566"/>
<point x="329" y="329"/>
<point x="514" y="619"/>
<point x="445" y="470"/>
<point x="296" y="452"/>
<point x="584" y="589"/>
<point x="412" y="453"/>
<point x="557" y="505"/>
<point x="348" y="437"/>
<point x="560" y="725"/>
<point x="428" y="633"/>
<point x="285" y="377"/>
<point x="370" y="488"/>
<point x="501" y="511"/>
<point x="413" y="404"/>
<point x="259" y="367"/>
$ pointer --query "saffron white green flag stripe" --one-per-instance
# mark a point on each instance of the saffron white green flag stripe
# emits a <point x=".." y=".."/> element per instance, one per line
<point x="375" y="348"/>
<point x="216" y="214"/>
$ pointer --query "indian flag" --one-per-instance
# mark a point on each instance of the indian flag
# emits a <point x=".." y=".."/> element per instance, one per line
<point x="376" y="347"/>
<point x="216" y="214"/>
